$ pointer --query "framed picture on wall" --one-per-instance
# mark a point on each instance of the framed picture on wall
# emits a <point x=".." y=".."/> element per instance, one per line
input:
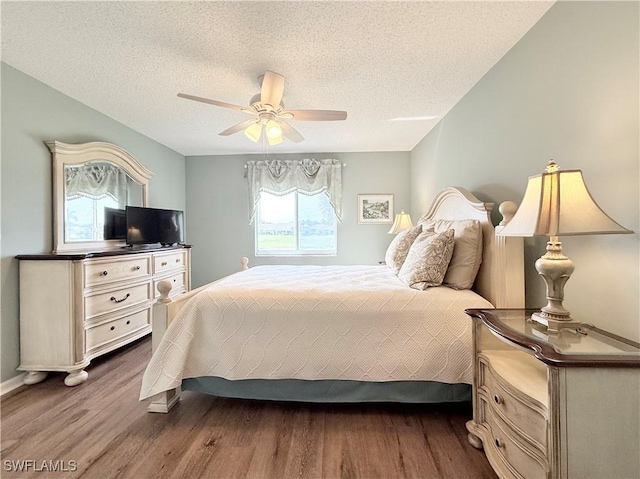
<point x="375" y="209"/>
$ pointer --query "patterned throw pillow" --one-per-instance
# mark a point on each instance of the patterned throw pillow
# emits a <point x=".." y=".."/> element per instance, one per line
<point x="428" y="259"/>
<point x="467" y="252"/>
<point x="399" y="248"/>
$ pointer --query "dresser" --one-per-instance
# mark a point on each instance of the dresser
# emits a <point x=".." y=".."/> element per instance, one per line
<point x="563" y="405"/>
<point x="75" y="307"/>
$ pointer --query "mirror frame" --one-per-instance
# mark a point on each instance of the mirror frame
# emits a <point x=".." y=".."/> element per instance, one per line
<point x="75" y="154"/>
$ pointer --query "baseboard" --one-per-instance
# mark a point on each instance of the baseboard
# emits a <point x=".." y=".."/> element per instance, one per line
<point x="11" y="384"/>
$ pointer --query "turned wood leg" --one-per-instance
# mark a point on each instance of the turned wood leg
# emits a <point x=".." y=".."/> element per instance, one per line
<point x="76" y="377"/>
<point x="33" y="377"/>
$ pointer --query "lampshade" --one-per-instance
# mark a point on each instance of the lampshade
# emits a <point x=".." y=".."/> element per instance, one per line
<point x="254" y="131"/>
<point x="558" y="203"/>
<point x="273" y="129"/>
<point x="401" y="223"/>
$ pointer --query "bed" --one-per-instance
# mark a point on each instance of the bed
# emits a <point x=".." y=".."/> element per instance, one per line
<point x="338" y="333"/>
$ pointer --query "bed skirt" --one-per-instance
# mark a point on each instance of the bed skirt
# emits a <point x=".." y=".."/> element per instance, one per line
<point x="330" y="391"/>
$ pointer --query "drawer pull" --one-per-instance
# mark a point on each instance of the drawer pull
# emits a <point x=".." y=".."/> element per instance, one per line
<point x="137" y="268"/>
<point x="112" y="328"/>
<point x="128" y="321"/>
<point x="104" y="273"/>
<point x="164" y="263"/>
<point x="113" y="298"/>
<point x="178" y="260"/>
<point x="497" y="399"/>
<point x="498" y="443"/>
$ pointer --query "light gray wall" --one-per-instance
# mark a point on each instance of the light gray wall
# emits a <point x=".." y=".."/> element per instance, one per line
<point x="568" y="91"/>
<point x="218" y="206"/>
<point x="32" y="113"/>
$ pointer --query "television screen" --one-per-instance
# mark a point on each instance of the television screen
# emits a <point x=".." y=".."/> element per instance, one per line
<point x="115" y="223"/>
<point x="154" y="225"/>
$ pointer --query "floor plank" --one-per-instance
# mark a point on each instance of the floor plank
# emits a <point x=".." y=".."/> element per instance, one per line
<point x="100" y="430"/>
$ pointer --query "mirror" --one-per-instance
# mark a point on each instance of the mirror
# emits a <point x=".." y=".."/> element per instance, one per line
<point x="95" y="195"/>
<point x="92" y="185"/>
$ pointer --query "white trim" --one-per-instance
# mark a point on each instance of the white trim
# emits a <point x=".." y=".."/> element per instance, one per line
<point x="11" y="384"/>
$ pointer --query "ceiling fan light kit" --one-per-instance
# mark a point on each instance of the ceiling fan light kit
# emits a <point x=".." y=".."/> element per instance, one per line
<point x="267" y="106"/>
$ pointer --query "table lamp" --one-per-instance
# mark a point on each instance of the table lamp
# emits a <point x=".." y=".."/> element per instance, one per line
<point x="558" y="203"/>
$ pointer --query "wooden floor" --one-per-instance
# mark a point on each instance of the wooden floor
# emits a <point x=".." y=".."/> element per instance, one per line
<point x="100" y="430"/>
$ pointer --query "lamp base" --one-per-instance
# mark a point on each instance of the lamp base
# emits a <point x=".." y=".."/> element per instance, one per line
<point x="552" y="324"/>
<point x="555" y="269"/>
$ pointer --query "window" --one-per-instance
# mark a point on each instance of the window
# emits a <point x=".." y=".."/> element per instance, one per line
<point x="295" y="224"/>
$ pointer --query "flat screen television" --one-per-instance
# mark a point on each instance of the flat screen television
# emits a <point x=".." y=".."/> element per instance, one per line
<point x="115" y="224"/>
<point x="154" y="225"/>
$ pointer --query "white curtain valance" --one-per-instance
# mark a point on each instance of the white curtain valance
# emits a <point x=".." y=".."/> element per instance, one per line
<point x="307" y="176"/>
<point x="96" y="180"/>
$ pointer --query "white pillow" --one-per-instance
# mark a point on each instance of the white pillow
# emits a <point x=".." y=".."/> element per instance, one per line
<point x="427" y="261"/>
<point x="399" y="248"/>
<point x="467" y="252"/>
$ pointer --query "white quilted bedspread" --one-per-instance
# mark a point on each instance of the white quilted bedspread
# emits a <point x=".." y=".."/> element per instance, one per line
<point x="317" y="322"/>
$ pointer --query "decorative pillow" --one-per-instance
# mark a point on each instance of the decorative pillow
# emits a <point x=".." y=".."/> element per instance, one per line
<point x="427" y="261"/>
<point x="399" y="248"/>
<point x="467" y="252"/>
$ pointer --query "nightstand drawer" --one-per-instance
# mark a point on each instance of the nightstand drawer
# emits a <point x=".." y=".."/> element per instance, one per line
<point x="510" y="449"/>
<point x="512" y="406"/>
<point x="97" y="273"/>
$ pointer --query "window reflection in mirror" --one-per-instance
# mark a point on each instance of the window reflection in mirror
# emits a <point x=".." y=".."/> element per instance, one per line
<point x="95" y="196"/>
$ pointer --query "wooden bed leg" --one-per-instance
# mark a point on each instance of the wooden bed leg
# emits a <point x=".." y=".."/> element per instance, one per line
<point x="164" y="401"/>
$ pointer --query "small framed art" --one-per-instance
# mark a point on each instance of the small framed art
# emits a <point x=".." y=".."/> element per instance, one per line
<point x="375" y="209"/>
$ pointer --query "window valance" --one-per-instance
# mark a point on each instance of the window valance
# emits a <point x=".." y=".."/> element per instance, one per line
<point x="307" y="176"/>
<point x="96" y="180"/>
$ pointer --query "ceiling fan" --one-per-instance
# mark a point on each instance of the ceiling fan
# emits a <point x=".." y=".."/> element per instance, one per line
<point x="269" y="112"/>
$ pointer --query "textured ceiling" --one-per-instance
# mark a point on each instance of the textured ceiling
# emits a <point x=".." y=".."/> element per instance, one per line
<point x="376" y="60"/>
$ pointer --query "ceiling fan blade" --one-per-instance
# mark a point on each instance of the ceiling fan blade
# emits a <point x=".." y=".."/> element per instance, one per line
<point x="213" y="102"/>
<point x="290" y="132"/>
<point x="272" y="88"/>
<point x="236" y="128"/>
<point x="317" y="115"/>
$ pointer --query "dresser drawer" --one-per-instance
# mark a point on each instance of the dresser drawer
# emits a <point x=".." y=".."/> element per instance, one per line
<point x="116" y="299"/>
<point x="167" y="261"/>
<point x="117" y="330"/>
<point x="104" y="272"/>
<point x="512" y="406"/>
<point x="177" y="280"/>
<point x="510" y="449"/>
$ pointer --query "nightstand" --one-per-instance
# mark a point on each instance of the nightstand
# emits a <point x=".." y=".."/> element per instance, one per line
<point x="554" y="406"/>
